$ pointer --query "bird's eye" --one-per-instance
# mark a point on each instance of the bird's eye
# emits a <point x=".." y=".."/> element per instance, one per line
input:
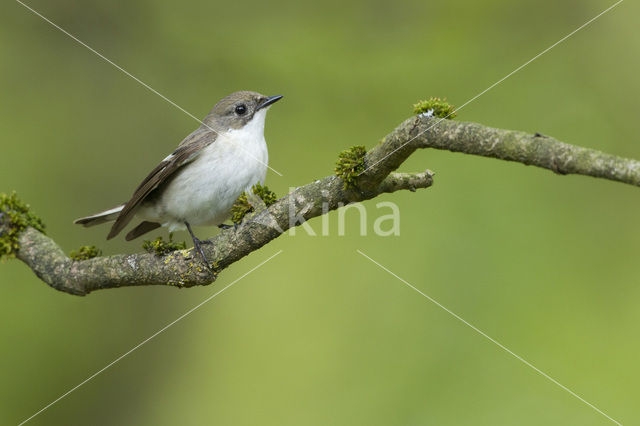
<point x="241" y="109"/>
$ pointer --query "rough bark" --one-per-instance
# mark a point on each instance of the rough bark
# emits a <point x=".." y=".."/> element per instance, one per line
<point x="183" y="269"/>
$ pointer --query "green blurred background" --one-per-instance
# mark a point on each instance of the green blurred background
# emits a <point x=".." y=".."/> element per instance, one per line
<point x="547" y="265"/>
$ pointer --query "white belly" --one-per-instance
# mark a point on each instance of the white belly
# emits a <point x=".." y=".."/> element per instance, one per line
<point x="203" y="191"/>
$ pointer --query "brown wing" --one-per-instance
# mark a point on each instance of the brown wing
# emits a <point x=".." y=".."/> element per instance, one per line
<point x="141" y="229"/>
<point x="184" y="154"/>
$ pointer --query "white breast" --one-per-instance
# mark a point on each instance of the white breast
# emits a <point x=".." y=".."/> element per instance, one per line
<point x="203" y="191"/>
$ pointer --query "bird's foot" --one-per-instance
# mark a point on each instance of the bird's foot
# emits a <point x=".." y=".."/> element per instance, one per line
<point x="197" y="245"/>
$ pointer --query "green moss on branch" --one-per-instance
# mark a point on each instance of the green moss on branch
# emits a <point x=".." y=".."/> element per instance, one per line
<point x="241" y="207"/>
<point x="159" y="247"/>
<point x="85" y="253"/>
<point x="350" y="164"/>
<point x="440" y="108"/>
<point x="15" y="217"/>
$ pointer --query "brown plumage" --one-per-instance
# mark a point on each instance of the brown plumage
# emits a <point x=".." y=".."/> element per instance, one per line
<point x="184" y="154"/>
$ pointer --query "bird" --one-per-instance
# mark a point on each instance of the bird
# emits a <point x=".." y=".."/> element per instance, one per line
<point x="197" y="184"/>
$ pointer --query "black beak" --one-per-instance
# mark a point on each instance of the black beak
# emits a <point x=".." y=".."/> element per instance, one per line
<point x="269" y="100"/>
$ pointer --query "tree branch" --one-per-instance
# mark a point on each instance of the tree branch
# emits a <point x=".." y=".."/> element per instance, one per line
<point x="183" y="269"/>
<point x="510" y="145"/>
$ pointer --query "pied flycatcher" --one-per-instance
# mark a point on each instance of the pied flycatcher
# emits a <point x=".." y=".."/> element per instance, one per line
<point x="198" y="183"/>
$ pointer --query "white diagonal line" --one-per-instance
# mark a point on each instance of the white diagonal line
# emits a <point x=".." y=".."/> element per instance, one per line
<point x="148" y="338"/>
<point x="497" y="82"/>
<point x="491" y="339"/>
<point x="138" y="80"/>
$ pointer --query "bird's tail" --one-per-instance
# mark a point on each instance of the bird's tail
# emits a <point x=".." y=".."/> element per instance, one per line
<point x="98" y="218"/>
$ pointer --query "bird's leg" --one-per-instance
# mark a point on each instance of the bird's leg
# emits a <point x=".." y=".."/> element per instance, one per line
<point x="197" y="245"/>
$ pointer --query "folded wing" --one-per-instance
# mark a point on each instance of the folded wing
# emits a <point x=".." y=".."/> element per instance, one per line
<point x="186" y="152"/>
